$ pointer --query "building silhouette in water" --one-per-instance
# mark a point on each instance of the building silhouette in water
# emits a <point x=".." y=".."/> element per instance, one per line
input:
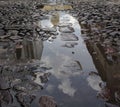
<point x="30" y="49"/>
<point x="109" y="70"/>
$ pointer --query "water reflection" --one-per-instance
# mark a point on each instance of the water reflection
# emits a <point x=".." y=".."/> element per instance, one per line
<point x="68" y="69"/>
<point x="21" y="50"/>
<point x="18" y="81"/>
<point x="32" y="48"/>
<point x="29" y="49"/>
<point x="55" y="19"/>
<point x="109" y="71"/>
<point x="18" y="50"/>
<point x="64" y="70"/>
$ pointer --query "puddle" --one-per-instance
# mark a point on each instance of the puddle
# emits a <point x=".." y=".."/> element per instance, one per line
<point x="70" y="61"/>
<point x="57" y="63"/>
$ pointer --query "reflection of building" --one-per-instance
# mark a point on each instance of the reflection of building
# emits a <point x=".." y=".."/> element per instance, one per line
<point x="108" y="70"/>
<point x="32" y="49"/>
<point x="55" y="19"/>
<point x="26" y="49"/>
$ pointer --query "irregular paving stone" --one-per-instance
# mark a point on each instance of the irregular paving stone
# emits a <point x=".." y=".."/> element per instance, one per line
<point x="39" y="6"/>
<point x="1" y="26"/>
<point x="2" y="32"/>
<point x="43" y="68"/>
<point x="15" y="37"/>
<point x="64" y="24"/>
<point x="49" y="29"/>
<point x="117" y="96"/>
<point x="66" y="29"/>
<point x="104" y="94"/>
<point x="44" y="77"/>
<point x="70" y="44"/>
<point x="27" y="86"/>
<point x="4" y="44"/>
<point x="101" y="26"/>
<point x="111" y="105"/>
<point x="4" y="85"/>
<point x="25" y="99"/>
<point x="47" y="101"/>
<point x="5" y="96"/>
<point x="69" y="37"/>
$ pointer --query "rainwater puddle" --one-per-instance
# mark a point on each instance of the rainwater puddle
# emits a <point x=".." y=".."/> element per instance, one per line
<point x="56" y="63"/>
<point x="66" y="52"/>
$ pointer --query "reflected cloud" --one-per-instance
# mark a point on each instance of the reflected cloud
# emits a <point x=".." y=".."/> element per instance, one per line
<point x="68" y="19"/>
<point x="94" y="81"/>
<point x="63" y="71"/>
<point x="68" y="69"/>
<point x="67" y="88"/>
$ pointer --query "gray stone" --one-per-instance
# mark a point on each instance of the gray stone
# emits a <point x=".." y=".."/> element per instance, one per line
<point x="64" y="24"/>
<point x="5" y="96"/>
<point x="2" y="32"/>
<point x="1" y="26"/>
<point x="69" y="37"/>
<point x="3" y="83"/>
<point x="15" y="37"/>
<point x="27" y="86"/>
<point x="66" y="29"/>
<point x="47" y="101"/>
<point x="25" y="99"/>
<point x="70" y="44"/>
<point x="44" y="77"/>
<point x="49" y="29"/>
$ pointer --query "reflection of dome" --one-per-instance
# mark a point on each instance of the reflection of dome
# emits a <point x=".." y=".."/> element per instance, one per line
<point x="55" y="18"/>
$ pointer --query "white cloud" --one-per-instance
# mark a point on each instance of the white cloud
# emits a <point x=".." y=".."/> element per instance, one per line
<point x="94" y="82"/>
<point x="66" y="87"/>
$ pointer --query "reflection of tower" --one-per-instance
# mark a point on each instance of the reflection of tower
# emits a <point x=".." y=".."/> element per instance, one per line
<point x="55" y="19"/>
<point x="32" y="49"/>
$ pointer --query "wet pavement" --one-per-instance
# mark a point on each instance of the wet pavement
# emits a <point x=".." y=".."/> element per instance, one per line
<point x="49" y="55"/>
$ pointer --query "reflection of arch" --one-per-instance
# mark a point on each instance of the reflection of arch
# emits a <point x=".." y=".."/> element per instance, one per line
<point x="32" y="49"/>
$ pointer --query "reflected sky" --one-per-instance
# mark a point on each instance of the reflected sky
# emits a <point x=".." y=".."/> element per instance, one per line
<point x="74" y="81"/>
<point x="70" y="65"/>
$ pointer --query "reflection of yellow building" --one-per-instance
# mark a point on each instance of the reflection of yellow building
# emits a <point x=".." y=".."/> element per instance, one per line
<point x="55" y="18"/>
